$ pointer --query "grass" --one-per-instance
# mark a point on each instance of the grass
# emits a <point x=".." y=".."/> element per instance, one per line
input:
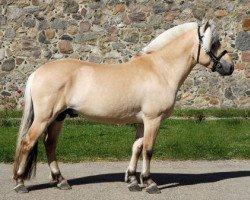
<point x="83" y="140"/>
<point x="211" y="112"/>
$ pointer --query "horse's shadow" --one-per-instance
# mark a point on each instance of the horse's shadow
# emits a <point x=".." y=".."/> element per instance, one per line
<point x="164" y="180"/>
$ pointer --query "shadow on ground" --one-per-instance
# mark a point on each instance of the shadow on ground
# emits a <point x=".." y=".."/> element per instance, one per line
<point x="164" y="180"/>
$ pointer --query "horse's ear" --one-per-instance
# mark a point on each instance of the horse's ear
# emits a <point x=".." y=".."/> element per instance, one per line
<point x="205" y="26"/>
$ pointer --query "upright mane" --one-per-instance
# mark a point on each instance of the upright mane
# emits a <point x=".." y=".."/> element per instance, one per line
<point x="167" y="36"/>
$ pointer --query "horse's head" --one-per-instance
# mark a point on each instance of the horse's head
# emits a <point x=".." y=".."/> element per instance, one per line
<point x="209" y="50"/>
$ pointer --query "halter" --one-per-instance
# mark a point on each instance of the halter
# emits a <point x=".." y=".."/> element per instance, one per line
<point x="215" y="59"/>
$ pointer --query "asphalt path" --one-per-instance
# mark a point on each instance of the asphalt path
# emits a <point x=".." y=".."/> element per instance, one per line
<point x="229" y="180"/>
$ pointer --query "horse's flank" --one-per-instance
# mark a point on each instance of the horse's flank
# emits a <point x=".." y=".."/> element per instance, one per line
<point x="119" y="93"/>
<point x="109" y="93"/>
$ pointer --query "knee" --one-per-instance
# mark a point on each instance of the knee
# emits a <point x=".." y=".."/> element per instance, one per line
<point x="137" y="145"/>
<point x="27" y="145"/>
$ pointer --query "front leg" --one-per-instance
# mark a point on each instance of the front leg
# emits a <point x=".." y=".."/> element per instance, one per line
<point x="151" y="127"/>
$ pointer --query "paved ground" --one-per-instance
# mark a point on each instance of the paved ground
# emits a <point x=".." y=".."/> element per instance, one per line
<point x="104" y="180"/>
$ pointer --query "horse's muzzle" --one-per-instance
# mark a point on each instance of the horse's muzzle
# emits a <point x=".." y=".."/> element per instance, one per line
<point x="224" y="68"/>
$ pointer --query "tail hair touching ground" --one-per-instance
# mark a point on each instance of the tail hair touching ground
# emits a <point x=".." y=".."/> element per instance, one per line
<point x="26" y="122"/>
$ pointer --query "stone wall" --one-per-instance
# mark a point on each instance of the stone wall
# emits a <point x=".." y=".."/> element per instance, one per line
<point x="32" y="32"/>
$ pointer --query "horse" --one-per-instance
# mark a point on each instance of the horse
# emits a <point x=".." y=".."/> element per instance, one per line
<point x="141" y="91"/>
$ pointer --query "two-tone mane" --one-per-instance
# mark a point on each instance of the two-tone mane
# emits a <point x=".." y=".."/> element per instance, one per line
<point x="169" y="35"/>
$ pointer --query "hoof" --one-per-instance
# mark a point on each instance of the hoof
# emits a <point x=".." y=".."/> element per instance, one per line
<point x="134" y="187"/>
<point x="63" y="185"/>
<point x="21" y="189"/>
<point x="153" y="189"/>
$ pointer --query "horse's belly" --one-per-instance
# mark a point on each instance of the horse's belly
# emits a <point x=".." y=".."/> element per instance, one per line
<point x="115" y="120"/>
<point x="109" y="118"/>
<point x="114" y="114"/>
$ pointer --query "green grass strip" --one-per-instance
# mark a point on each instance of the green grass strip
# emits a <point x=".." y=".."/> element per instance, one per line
<point x="196" y="113"/>
<point x="177" y="140"/>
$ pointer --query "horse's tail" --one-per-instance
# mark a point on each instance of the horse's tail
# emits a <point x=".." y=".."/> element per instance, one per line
<point x="26" y="122"/>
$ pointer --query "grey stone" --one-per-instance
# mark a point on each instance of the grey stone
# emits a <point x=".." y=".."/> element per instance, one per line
<point x="138" y="16"/>
<point x="95" y="58"/>
<point x="43" y="24"/>
<point x="8" y="65"/>
<point x="160" y="8"/>
<point x="154" y="21"/>
<point x="199" y="12"/>
<point x="97" y="18"/>
<point x="37" y="53"/>
<point x="2" y="54"/>
<point x="81" y="38"/>
<point x="84" y="26"/>
<point x="27" y="45"/>
<point x="3" y="20"/>
<point x="10" y="33"/>
<point x="30" y="22"/>
<point x="13" y="12"/>
<point x="6" y="94"/>
<point x="169" y="1"/>
<point x="58" y="55"/>
<point x="59" y="24"/>
<point x="95" y="5"/>
<point x="77" y="16"/>
<point x="243" y="41"/>
<point x="132" y="38"/>
<point x="230" y="7"/>
<point x="27" y="68"/>
<point x="66" y="37"/>
<point x="244" y="1"/>
<point x="35" y="2"/>
<point x="85" y="48"/>
<point x="248" y="93"/>
<point x="118" y="46"/>
<point x="9" y="2"/>
<point x="42" y="38"/>
<point x="229" y="94"/>
<point x="70" y="6"/>
<point x="234" y="56"/>
<point x="47" y="54"/>
<point x="34" y="9"/>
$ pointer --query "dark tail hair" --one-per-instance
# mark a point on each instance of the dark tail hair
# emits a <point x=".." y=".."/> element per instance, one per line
<point x="27" y="120"/>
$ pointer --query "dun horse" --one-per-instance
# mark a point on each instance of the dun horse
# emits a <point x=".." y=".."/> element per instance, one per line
<point x="141" y="91"/>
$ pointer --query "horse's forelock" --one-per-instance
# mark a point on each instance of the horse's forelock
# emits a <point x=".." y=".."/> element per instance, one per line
<point x="215" y="36"/>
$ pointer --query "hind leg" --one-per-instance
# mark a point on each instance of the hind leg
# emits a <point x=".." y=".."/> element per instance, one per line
<point x="130" y="175"/>
<point x="23" y="166"/>
<point x="50" y="143"/>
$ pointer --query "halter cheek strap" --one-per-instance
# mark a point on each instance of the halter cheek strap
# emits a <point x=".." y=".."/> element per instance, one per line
<point x="200" y="42"/>
<point x="215" y="59"/>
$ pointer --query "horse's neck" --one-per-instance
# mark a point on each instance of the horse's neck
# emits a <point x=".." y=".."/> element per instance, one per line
<point x="175" y="60"/>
